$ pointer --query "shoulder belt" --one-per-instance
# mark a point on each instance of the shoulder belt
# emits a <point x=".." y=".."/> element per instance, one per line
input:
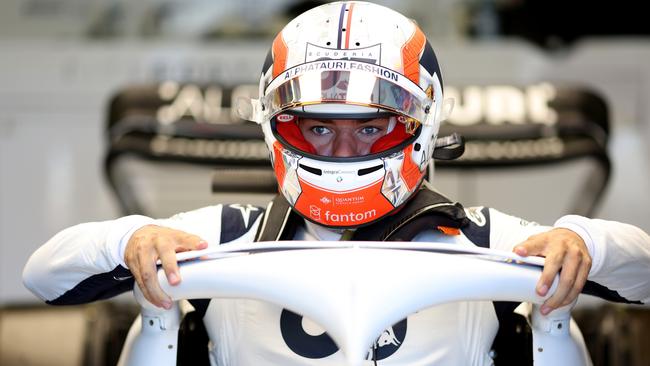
<point x="427" y="210"/>
<point x="279" y="222"/>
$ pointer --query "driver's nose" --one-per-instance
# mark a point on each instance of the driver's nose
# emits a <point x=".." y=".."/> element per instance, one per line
<point x="344" y="146"/>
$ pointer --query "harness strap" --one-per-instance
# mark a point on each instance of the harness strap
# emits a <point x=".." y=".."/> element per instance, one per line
<point x="280" y="221"/>
<point x="427" y="210"/>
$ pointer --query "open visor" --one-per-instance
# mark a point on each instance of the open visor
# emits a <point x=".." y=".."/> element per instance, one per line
<point x="356" y="138"/>
<point x="304" y="87"/>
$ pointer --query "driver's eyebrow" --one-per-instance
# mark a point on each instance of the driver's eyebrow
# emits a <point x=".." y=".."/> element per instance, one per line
<point x="328" y="121"/>
<point x="367" y="120"/>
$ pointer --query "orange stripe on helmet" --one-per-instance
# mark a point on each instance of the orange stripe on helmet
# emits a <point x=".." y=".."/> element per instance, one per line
<point x="348" y="26"/>
<point x="411" y="51"/>
<point x="279" y="55"/>
<point x="410" y="171"/>
<point x="278" y="163"/>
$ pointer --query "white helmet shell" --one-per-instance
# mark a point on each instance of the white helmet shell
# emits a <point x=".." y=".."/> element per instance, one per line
<point x="381" y="63"/>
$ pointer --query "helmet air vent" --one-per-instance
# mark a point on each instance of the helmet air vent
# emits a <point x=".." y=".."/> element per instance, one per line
<point x="311" y="169"/>
<point x="365" y="171"/>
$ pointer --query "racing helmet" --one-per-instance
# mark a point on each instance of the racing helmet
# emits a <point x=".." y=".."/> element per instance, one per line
<point x="352" y="61"/>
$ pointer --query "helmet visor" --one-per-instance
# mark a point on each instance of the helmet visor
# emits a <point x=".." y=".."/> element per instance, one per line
<point x="346" y="82"/>
<point x="343" y="138"/>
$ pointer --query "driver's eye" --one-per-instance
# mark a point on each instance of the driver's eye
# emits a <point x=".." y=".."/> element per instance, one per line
<point x="320" y="130"/>
<point x="369" y="130"/>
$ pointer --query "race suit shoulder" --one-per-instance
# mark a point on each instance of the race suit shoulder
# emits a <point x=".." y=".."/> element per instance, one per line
<point x="85" y="262"/>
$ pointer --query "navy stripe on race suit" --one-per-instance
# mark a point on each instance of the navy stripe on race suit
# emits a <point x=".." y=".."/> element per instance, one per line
<point x="596" y="289"/>
<point x="237" y="219"/>
<point x="478" y="229"/>
<point x="97" y="287"/>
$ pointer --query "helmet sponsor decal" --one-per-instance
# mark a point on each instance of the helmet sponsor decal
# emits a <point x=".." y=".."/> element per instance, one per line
<point x="371" y="54"/>
<point x="343" y="65"/>
<point x="345" y="200"/>
<point x="353" y="200"/>
<point x="343" y="209"/>
<point x="339" y="171"/>
<point x="350" y="217"/>
<point x="285" y="117"/>
<point x="341" y="218"/>
<point x="314" y="212"/>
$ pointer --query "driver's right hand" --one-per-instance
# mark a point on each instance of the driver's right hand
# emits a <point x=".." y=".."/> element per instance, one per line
<point x="146" y="246"/>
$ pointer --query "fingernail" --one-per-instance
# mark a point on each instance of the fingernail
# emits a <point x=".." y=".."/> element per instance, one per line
<point x="542" y="290"/>
<point x="173" y="278"/>
<point x="520" y="251"/>
<point x="202" y="244"/>
<point x="167" y="304"/>
<point x="545" y="309"/>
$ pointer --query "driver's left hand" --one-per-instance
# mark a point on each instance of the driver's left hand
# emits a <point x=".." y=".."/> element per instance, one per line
<point x="566" y="251"/>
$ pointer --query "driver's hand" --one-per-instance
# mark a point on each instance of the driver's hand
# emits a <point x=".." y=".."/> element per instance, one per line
<point x="146" y="246"/>
<point x="565" y="250"/>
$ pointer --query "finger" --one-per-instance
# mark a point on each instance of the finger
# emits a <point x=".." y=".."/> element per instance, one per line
<point x="552" y="265"/>
<point x="167" y="250"/>
<point x="193" y="243"/>
<point x="167" y="254"/>
<point x="570" y="267"/>
<point x="187" y="242"/>
<point x="135" y="270"/>
<point x="579" y="284"/>
<point x="202" y="244"/>
<point x="149" y="275"/>
<point x="534" y="245"/>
